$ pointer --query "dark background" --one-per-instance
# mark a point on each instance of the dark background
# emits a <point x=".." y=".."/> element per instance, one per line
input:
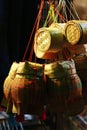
<point x="17" y="18"/>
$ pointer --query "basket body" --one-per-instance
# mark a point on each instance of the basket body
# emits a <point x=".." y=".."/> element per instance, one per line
<point x="28" y="90"/>
<point x="64" y="88"/>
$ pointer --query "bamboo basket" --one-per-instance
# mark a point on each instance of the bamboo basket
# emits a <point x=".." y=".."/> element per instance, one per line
<point x="7" y="86"/>
<point x="28" y="90"/>
<point x="49" y="39"/>
<point x="76" y="32"/>
<point x="64" y="88"/>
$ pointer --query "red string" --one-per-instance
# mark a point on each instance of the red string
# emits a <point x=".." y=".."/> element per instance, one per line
<point x="66" y="53"/>
<point x="56" y="10"/>
<point x="61" y="16"/>
<point x="29" y="40"/>
<point x="36" y="24"/>
<point x="39" y="14"/>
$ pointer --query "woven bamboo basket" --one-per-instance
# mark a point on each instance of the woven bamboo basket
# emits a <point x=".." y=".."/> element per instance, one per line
<point x="9" y="78"/>
<point x="28" y="90"/>
<point x="49" y="39"/>
<point x="64" y="88"/>
<point x="7" y="85"/>
<point x="76" y="32"/>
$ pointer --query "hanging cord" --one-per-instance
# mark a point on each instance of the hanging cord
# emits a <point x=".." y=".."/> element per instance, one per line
<point x="36" y="24"/>
<point x="39" y="18"/>
<point x="62" y="18"/>
<point x="63" y="6"/>
<point x="39" y="14"/>
<point x="58" y="8"/>
<point x="73" y="9"/>
<point x="57" y="11"/>
<point x="64" y="9"/>
<point x="66" y="53"/>
<point x="51" y="16"/>
<point x="29" y="40"/>
<point x="73" y="6"/>
<point x="45" y="23"/>
<point x="69" y="10"/>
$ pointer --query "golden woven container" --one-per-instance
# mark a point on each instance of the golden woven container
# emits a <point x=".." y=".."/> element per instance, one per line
<point x="8" y="80"/>
<point x="49" y="39"/>
<point x="76" y="32"/>
<point x="7" y="86"/>
<point x="28" y="90"/>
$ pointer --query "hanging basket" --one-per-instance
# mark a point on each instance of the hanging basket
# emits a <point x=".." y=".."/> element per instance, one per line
<point x="28" y="90"/>
<point x="7" y="85"/>
<point x="49" y="39"/>
<point x="64" y="88"/>
<point x="9" y="78"/>
<point x="76" y="32"/>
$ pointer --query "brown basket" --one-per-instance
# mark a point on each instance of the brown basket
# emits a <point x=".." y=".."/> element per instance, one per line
<point x="28" y="89"/>
<point x="64" y="88"/>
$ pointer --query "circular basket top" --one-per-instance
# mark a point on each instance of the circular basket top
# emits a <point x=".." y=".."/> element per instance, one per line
<point x="42" y="42"/>
<point x="73" y="32"/>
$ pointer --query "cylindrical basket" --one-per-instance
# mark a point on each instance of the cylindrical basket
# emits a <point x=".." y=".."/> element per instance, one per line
<point x="49" y="39"/>
<point x="76" y="32"/>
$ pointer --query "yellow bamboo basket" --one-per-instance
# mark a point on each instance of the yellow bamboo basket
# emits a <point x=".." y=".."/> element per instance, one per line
<point x="28" y="90"/>
<point x="9" y="78"/>
<point x="76" y="32"/>
<point x="7" y="85"/>
<point x="49" y="39"/>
